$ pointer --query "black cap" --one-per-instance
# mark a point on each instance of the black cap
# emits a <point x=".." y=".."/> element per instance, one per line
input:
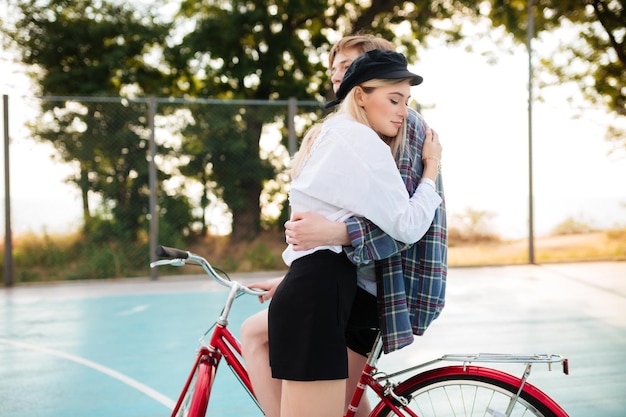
<point x="375" y="64"/>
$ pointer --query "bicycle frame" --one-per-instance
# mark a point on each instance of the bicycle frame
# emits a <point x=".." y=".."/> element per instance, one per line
<point x="384" y="392"/>
<point x="222" y="344"/>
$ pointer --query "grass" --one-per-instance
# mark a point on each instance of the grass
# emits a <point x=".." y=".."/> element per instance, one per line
<point x="54" y="258"/>
<point x="610" y="245"/>
<point x="264" y="253"/>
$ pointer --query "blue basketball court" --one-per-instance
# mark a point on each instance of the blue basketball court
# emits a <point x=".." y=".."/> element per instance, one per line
<point x="124" y="347"/>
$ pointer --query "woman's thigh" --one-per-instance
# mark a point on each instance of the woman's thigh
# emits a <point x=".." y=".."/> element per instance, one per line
<point x="313" y="398"/>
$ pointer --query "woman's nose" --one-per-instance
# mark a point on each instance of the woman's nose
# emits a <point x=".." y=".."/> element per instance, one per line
<point x="404" y="112"/>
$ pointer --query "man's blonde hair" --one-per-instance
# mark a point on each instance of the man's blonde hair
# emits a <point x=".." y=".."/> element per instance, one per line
<point x="360" y="42"/>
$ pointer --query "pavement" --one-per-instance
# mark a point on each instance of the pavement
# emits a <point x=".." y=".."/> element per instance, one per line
<point x="124" y="347"/>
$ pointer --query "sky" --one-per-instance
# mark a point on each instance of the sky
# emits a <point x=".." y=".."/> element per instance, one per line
<point x="480" y="112"/>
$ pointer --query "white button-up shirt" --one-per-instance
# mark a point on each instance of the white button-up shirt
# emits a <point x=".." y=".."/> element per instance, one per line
<point x="350" y="172"/>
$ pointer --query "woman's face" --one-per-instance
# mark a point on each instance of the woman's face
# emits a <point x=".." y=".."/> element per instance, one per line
<point x="385" y="107"/>
<point x="340" y="65"/>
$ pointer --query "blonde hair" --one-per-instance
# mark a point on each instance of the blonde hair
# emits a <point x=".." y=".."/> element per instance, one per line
<point x="350" y="106"/>
<point x="360" y="42"/>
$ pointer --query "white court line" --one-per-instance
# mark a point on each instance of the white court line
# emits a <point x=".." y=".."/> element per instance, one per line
<point x="155" y="395"/>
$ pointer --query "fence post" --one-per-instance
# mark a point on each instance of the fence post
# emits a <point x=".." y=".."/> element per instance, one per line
<point x="531" y="224"/>
<point x="154" y="212"/>
<point x="291" y="125"/>
<point x="8" y="240"/>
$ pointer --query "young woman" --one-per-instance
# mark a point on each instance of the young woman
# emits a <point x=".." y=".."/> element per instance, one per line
<point x="424" y="262"/>
<point x="344" y="169"/>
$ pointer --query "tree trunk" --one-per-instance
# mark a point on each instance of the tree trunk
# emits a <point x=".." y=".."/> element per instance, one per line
<point x="247" y="216"/>
<point x="83" y="184"/>
<point x="247" y="220"/>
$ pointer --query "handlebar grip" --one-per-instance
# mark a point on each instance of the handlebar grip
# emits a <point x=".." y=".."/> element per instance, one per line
<point x="166" y="252"/>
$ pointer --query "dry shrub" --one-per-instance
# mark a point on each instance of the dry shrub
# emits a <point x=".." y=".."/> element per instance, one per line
<point x="260" y="254"/>
<point x="459" y="237"/>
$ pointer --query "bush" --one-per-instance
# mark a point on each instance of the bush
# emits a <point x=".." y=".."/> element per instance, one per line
<point x="261" y="257"/>
<point x="572" y="226"/>
<point x="472" y="226"/>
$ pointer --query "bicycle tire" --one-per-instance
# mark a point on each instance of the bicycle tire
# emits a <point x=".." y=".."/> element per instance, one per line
<point x="469" y="391"/>
<point x="196" y="399"/>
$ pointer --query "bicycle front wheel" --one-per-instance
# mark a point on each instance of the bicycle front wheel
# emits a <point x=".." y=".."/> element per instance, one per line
<point x="195" y="399"/>
<point x="470" y="391"/>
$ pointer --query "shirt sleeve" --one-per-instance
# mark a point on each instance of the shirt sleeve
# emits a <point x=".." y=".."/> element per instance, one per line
<point x="358" y="173"/>
<point x="368" y="242"/>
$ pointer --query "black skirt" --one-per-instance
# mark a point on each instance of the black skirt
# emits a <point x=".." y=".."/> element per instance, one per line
<point x="308" y="316"/>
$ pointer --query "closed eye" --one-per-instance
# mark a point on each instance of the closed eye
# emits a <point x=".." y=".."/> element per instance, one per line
<point x="396" y="102"/>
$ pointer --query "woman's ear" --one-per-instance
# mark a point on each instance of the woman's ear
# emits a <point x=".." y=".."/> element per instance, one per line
<point x="359" y="96"/>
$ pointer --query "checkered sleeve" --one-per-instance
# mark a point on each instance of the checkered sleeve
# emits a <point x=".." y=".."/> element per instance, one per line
<point x="369" y="242"/>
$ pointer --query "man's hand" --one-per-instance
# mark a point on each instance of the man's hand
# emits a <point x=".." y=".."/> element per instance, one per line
<point x="309" y="230"/>
<point x="269" y="286"/>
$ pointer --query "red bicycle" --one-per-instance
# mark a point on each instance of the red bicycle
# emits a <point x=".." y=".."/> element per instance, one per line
<point x="424" y="390"/>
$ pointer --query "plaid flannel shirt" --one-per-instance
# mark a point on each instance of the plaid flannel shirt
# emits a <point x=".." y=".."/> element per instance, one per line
<point x="411" y="279"/>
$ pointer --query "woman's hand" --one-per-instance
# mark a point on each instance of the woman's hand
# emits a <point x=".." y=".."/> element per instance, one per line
<point x="431" y="155"/>
<point x="309" y="230"/>
<point x="269" y="285"/>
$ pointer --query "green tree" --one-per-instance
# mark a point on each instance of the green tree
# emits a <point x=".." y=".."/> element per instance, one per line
<point x="248" y="51"/>
<point x="259" y="50"/>
<point x="91" y="48"/>
<point x="595" y="60"/>
<point x="223" y="154"/>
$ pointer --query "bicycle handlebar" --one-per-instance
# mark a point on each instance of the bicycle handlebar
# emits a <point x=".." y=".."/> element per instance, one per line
<point x="166" y="252"/>
<point x="179" y="257"/>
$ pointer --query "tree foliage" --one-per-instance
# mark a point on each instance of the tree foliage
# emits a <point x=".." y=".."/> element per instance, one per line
<point x="91" y="49"/>
<point x="597" y="61"/>
<point x="594" y="58"/>
<point x="256" y="50"/>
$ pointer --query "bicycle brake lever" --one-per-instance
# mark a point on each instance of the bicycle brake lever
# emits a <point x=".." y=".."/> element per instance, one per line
<point x="173" y="262"/>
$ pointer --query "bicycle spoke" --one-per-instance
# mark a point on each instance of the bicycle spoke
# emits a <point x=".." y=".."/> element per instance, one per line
<point x="467" y="401"/>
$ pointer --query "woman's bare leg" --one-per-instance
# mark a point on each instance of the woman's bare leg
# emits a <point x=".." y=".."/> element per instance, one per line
<point x="313" y="398"/>
<point x="356" y="362"/>
<point x="255" y="352"/>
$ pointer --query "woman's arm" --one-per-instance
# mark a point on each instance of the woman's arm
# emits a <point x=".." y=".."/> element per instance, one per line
<point x="352" y="169"/>
<point x="308" y="230"/>
<point x="368" y="242"/>
<point x="269" y="285"/>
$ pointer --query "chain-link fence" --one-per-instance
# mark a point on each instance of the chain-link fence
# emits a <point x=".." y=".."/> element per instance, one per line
<point x="140" y="171"/>
<point x="91" y="184"/>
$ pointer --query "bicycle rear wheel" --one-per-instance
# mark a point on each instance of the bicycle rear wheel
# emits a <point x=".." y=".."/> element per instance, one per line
<point x="470" y="391"/>
<point x="196" y="397"/>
